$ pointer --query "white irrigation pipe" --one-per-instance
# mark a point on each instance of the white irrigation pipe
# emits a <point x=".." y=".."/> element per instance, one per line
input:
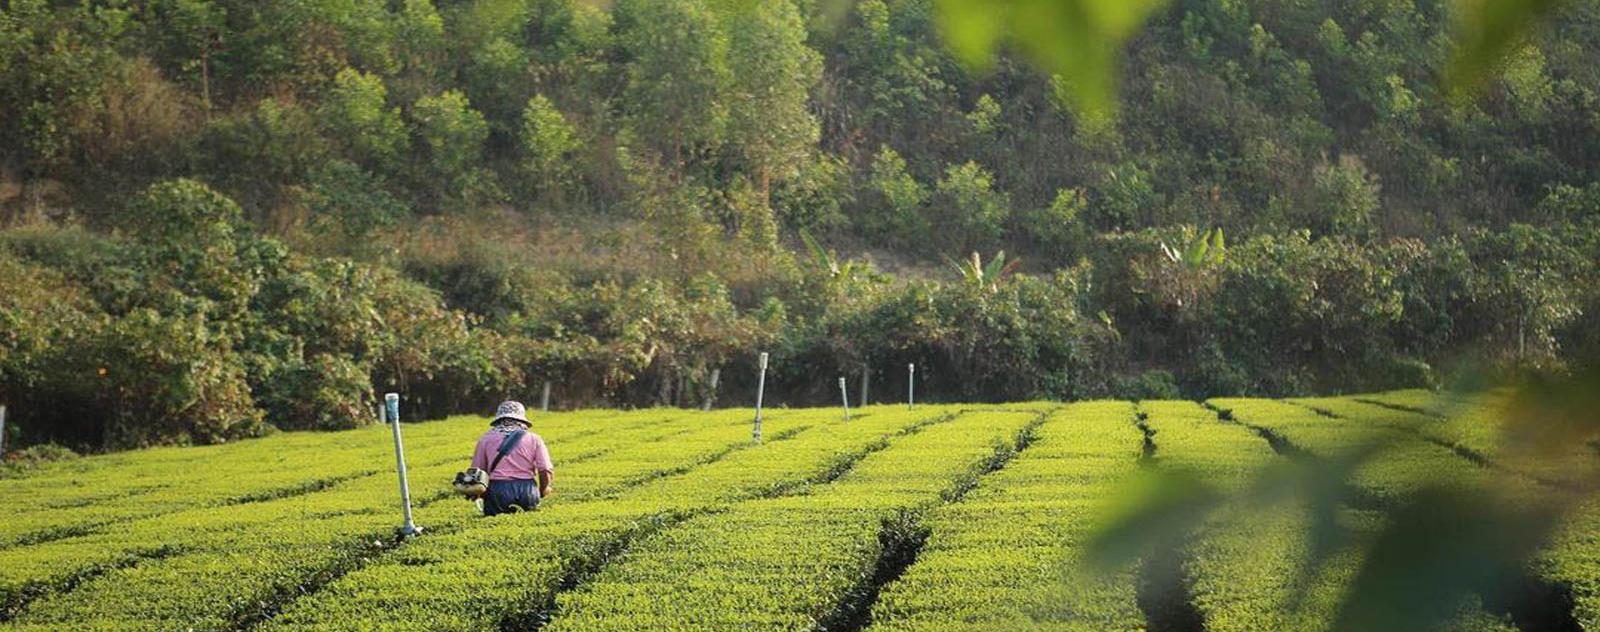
<point x="761" y="391"/>
<point x="911" y="386"/>
<point x="392" y="402"/>
<point x="844" y="397"/>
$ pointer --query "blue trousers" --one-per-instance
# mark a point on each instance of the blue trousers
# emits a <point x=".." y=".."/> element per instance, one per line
<point x="511" y="496"/>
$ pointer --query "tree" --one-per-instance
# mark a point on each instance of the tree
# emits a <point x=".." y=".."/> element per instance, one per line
<point x="453" y="134"/>
<point x="1524" y="291"/>
<point x="1344" y="199"/>
<point x="193" y="31"/>
<point x="355" y="113"/>
<point x="53" y="67"/>
<point x="899" y="197"/>
<point x="772" y="72"/>
<point x="971" y="211"/>
<point x="419" y="34"/>
<point x="190" y="235"/>
<point x="343" y="195"/>
<point x="675" y="79"/>
<point x="549" y="145"/>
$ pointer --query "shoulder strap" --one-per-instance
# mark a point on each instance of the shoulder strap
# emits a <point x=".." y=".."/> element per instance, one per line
<point x="506" y="446"/>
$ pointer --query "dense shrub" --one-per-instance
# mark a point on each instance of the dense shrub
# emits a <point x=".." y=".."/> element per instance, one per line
<point x="1300" y="313"/>
<point x="326" y="392"/>
<point x="159" y="378"/>
<point x="1155" y="384"/>
<point x="198" y="330"/>
<point x="192" y="327"/>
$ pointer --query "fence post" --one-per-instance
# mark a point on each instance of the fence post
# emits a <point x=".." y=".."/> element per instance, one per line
<point x="844" y="397"/>
<point x="544" y="398"/>
<point x="2" y="430"/>
<point x="711" y="391"/>
<point x="392" y="401"/>
<point x="911" y="385"/>
<point x="761" y="392"/>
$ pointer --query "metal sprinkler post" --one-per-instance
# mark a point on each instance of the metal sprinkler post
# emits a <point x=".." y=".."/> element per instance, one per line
<point x="844" y="397"/>
<point x="761" y="391"/>
<point x="911" y="386"/>
<point x="392" y="404"/>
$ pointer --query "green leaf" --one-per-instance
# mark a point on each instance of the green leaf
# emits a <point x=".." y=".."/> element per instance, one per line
<point x="1153" y="509"/>
<point x="972" y="29"/>
<point x="818" y="255"/>
<point x="1443" y="547"/>
<point x="1079" y="40"/>
<point x="1195" y="254"/>
<point x="1486" y="33"/>
<point x="991" y="272"/>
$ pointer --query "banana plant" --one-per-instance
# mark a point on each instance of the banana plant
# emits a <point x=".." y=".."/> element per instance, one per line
<point x="986" y="276"/>
<point x="1187" y="276"/>
<point x="1207" y="249"/>
<point x="835" y="270"/>
<point x="822" y="259"/>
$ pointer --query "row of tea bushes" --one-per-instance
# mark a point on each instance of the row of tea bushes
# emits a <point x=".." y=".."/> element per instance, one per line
<point x="996" y="559"/>
<point x="1245" y="566"/>
<point x="791" y="562"/>
<point x="258" y="554"/>
<point x="1392" y="476"/>
<point x="1477" y="427"/>
<point x="441" y="582"/>
<point x="1474" y="426"/>
<point x="90" y="494"/>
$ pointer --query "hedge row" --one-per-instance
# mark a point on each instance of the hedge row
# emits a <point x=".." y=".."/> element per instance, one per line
<point x="1004" y="557"/>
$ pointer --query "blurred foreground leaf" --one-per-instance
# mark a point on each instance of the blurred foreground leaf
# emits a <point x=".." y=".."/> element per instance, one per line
<point x="1082" y="40"/>
<point x="1079" y="40"/>
<point x="1154" y="509"/>
<point x="1486" y="33"/>
<point x="1548" y="414"/>
<point x="1440" y="549"/>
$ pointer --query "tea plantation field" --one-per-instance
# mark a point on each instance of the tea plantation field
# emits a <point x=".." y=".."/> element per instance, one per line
<point x="942" y="517"/>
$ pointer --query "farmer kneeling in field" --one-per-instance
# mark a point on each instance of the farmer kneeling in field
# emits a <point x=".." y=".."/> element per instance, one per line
<point x="516" y="460"/>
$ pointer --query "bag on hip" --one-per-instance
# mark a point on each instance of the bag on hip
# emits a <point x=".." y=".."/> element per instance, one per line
<point x="472" y="482"/>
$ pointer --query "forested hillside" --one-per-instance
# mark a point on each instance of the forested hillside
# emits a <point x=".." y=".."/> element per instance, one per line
<point x="224" y="215"/>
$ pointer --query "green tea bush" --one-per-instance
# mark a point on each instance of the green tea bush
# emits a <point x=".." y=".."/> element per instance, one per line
<point x="1004" y="556"/>
<point x="790" y="562"/>
<point x="675" y="520"/>
<point x="27" y="459"/>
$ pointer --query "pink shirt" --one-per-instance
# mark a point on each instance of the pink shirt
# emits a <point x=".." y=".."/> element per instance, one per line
<point x="521" y="463"/>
